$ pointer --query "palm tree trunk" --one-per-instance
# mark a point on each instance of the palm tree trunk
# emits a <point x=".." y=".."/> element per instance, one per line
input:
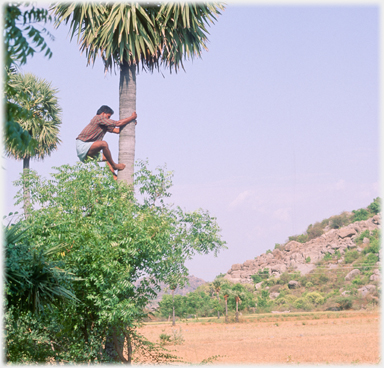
<point x="226" y="309"/>
<point x="218" y="299"/>
<point x="237" y="310"/>
<point x="127" y="105"/>
<point x="173" y="309"/>
<point x="26" y="192"/>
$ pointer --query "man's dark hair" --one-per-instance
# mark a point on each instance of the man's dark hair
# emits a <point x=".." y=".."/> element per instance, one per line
<point x="105" y="109"/>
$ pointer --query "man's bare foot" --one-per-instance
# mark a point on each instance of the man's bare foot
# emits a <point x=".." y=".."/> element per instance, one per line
<point x="119" y="167"/>
<point x="114" y="176"/>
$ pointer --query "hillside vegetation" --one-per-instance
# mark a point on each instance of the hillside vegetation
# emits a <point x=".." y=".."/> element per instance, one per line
<point x="344" y="278"/>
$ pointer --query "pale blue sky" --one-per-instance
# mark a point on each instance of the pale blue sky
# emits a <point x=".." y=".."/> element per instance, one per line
<point x="275" y="128"/>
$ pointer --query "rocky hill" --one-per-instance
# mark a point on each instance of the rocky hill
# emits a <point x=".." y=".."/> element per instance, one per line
<point x="194" y="283"/>
<point x="296" y="256"/>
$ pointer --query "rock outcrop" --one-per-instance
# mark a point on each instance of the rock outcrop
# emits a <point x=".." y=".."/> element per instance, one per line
<point x="303" y="256"/>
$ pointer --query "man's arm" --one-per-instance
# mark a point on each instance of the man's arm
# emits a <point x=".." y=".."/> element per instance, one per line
<point x="123" y="122"/>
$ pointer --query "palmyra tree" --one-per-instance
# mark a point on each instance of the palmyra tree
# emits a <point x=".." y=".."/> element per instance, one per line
<point x="130" y="35"/>
<point x="217" y="286"/>
<point x="37" y="96"/>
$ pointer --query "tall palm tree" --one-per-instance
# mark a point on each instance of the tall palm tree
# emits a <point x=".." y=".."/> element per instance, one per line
<point x="127" y="35"/>
<point x="37" y="96"/>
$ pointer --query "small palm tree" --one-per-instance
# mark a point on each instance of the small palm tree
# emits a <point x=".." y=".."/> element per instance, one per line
<point x="226" y="295"/>
<point x="217" y="287"/>
<point x="37" y="96"/>
<point x="128" y="35"/>
<point x="238" y="296"/>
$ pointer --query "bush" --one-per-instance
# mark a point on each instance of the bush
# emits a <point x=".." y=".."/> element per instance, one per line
<point x="315" y="298"/>
<point x="314" y="231"/>
<point x="375" y="206"/>
<point x="360" y="238"/>
<point x="302" y="303"/>
<point x="308" y="259"/>
<point x="308" y="284"/>
<point x="351" y="256"/>
<point x="374" y="247"/>
<point x="256" y="278"/>
<point x="327" y="257"/>
<point x="336" y="222"/>
<point x="360" y="215"/>
<point x="344" y="302"/>
<point x="302" y="238"/>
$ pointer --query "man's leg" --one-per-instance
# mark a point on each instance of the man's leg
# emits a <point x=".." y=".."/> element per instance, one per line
<point x="110" y="167"/>
<point x="103" y="146"/>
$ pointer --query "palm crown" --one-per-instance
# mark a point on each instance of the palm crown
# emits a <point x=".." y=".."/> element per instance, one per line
<point x="37" y="96"/>
<point x="152" y="35"/>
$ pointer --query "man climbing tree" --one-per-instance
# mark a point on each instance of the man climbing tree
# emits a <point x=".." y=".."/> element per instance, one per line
<point x="90" y="141"/>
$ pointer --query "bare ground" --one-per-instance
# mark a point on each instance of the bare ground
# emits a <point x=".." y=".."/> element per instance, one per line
<point x="306" y="338"/>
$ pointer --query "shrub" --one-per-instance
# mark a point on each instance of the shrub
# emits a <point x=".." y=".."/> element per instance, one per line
<point x="375" y="206"/>
<point x="268" y="251"/>
<point x="360" y="215"/>
<point x="165" y="339"/>
<point x="256" y="278"/>
<point x="327" y="257"/>
<point x="315" y="298"/>
<point x="308" y="284"/>
<point x="336" y="222"/>
<point x="360" y="238"/>
<point x="357" y="281"/>
<point x="308" y="259"/>
<point x="314" y="231"/>
<point x="351" y="256"/>
<point x="344" y="302"/>
<point x="374" y="247"/>
<point x="302" y="303"/>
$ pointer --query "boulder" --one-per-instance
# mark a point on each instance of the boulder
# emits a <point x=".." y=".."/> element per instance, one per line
<point x="236" y="267"/>
<point x="249" y="263"/>
<point x="365" y="290"/>
<point x="375" y="276"/>
<point x="351" y="275"/>
<point x="376" y="219"/>
<point x="365" y="240"/>
<point x="274" y="295"/>
<point x="258" y="285"/>
<point x="280" y="268"/>
<point x="293" y="284"/>
<point x="292" y="245"/>
<point x="346" y="232"/>
<point x="236" y="274"/>
<point x="305" y="268"/>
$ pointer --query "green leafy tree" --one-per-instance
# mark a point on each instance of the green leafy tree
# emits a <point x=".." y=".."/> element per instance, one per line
<point x="130" y="35"/>
<point x="39" y="98"/>
<point x="111" y="240"/>
<point x="22" y="38"/>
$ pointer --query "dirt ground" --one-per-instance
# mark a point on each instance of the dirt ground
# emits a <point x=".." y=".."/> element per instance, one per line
<point x="328" y="337"/>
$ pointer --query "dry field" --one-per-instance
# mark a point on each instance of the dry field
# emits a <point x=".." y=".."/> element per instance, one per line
<point x="321" y="337"/>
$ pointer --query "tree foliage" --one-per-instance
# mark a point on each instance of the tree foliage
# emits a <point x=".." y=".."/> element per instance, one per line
<point x="102" y="234"/>
<point x="153" y="35"/>
<point x="36" y="96"/>
<point x="22" y="38"/>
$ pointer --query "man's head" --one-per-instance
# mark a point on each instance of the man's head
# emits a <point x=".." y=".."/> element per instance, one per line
<point x="106" y="110"/>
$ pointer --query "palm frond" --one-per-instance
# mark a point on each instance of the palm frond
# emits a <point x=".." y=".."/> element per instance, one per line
<point x="153" y="35"/>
